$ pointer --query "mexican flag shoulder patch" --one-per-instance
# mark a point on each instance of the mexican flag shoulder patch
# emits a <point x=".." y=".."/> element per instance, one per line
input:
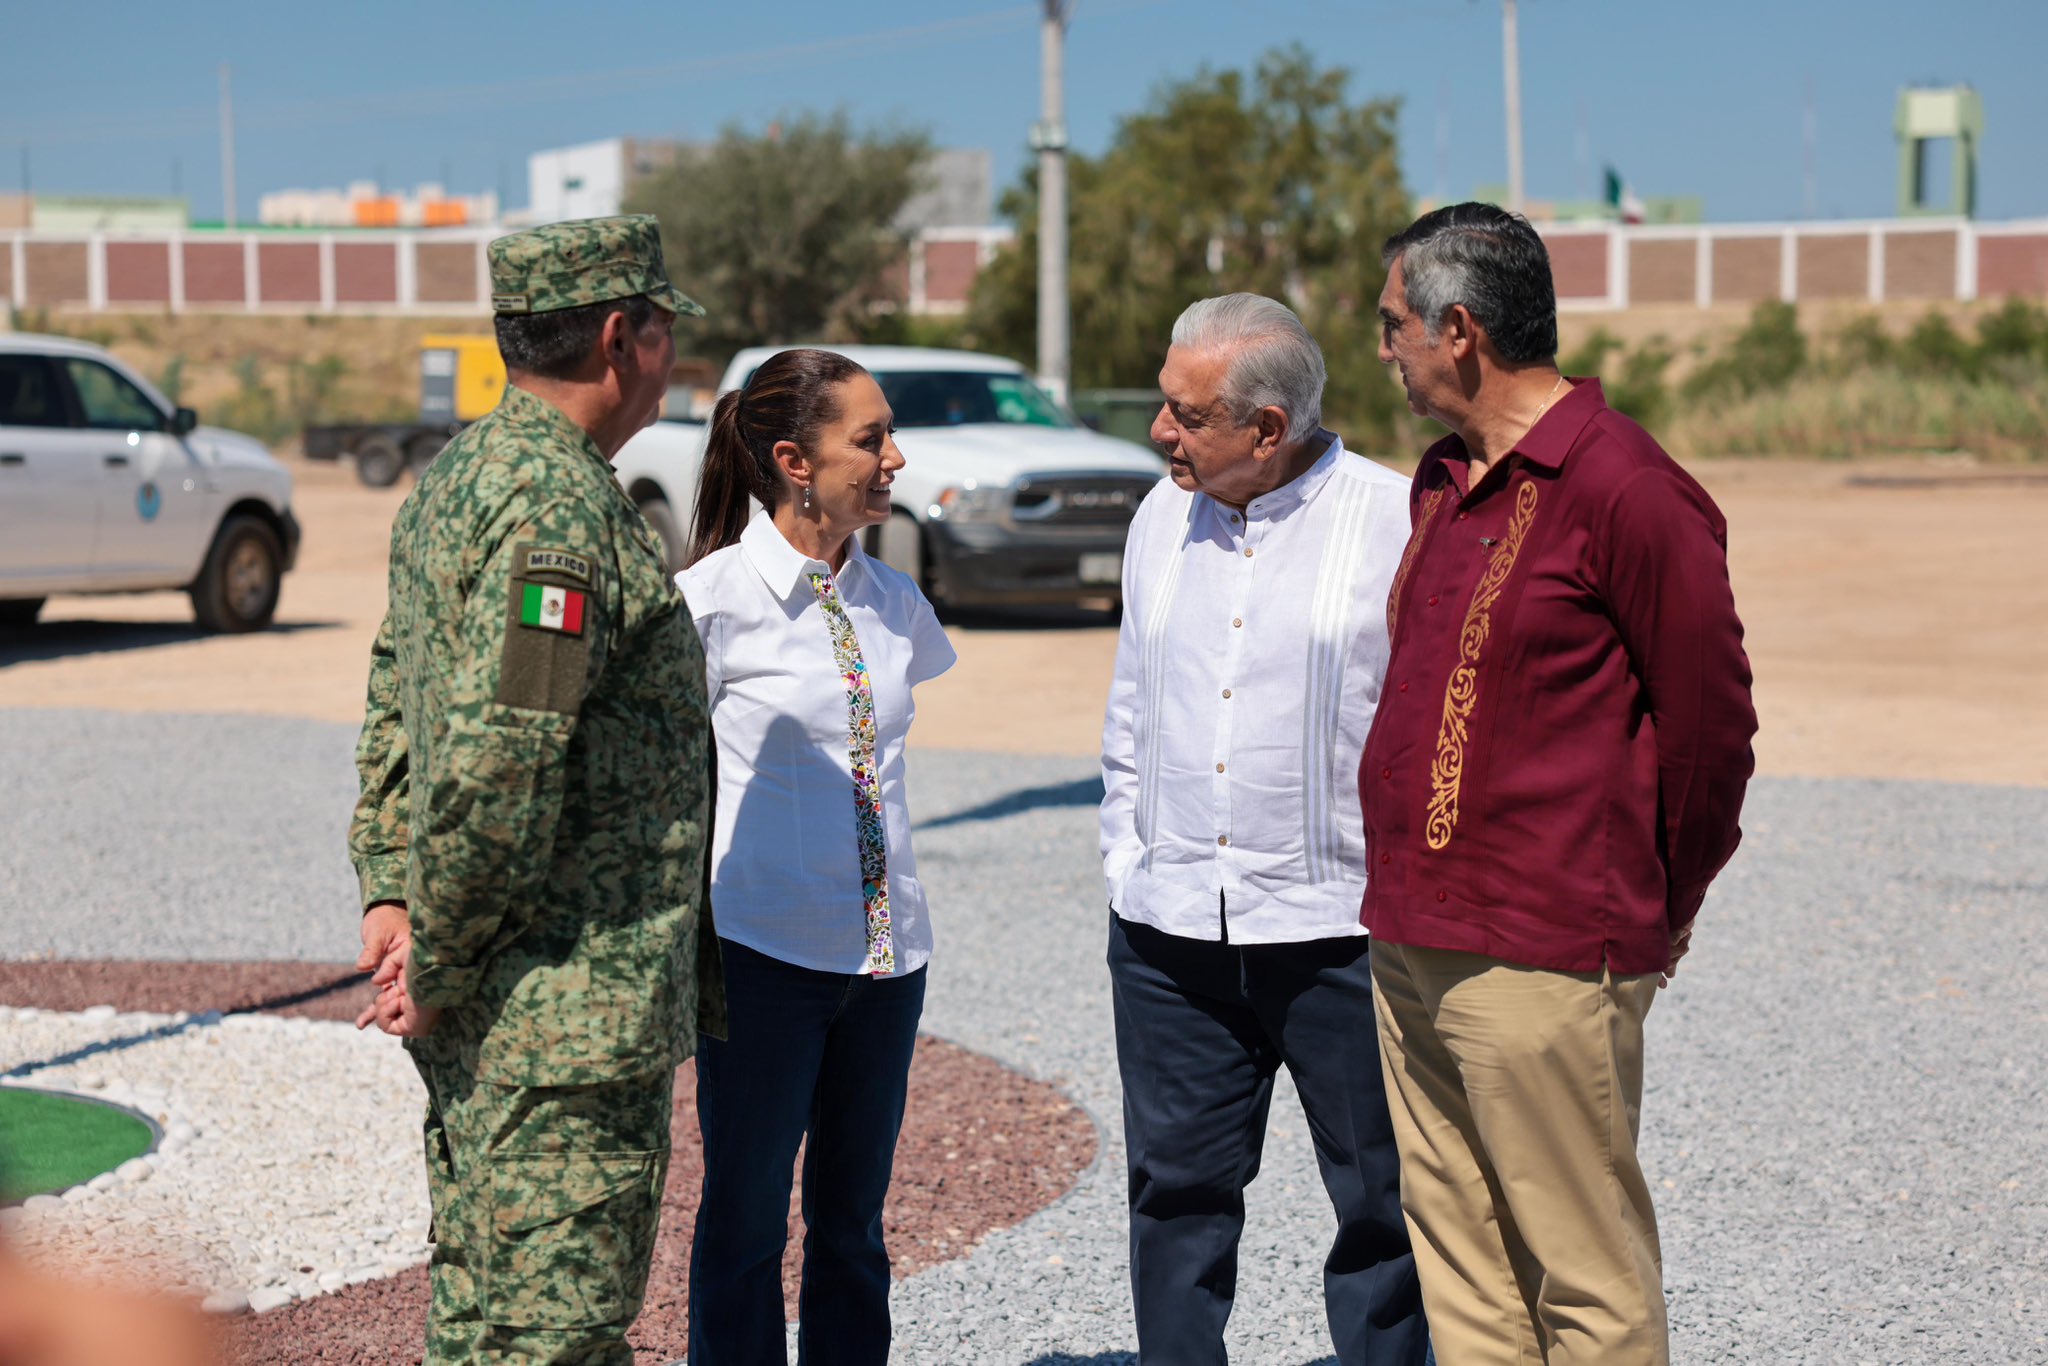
<point x="551" y="608"/>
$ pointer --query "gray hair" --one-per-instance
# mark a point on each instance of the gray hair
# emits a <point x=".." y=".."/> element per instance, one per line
<point x="1274" y="362"/>
<point x="1489" y="260"/>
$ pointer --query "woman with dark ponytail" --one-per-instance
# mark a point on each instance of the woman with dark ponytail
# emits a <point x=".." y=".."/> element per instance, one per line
<point x="811" y="651"/>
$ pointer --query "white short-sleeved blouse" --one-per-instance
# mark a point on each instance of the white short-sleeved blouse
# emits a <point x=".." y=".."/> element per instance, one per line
<point x="785" y="877"/>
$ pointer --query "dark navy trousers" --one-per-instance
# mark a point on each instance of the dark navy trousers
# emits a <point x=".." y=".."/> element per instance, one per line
<point x="807" y="1054"/>
<point x="1201" y="1029"/>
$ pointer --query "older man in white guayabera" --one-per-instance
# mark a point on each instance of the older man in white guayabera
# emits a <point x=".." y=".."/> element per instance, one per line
<point x="1253" y="651"/>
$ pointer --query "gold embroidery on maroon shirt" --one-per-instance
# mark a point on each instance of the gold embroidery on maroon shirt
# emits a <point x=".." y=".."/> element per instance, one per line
<point x="1447" y="771"/>
<point x="1429" y="507"/>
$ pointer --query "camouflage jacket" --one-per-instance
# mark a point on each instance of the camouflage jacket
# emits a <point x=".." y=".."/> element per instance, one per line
<point x="535" y="762"/>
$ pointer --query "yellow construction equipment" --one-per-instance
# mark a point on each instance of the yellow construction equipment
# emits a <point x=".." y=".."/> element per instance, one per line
<point x="462" y="377"/>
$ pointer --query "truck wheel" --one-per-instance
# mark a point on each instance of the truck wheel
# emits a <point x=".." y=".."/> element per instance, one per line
<point x="899" y="543"/>
<point x="421" y="450"/>
<point x="379" y="462"/>
<point x="238" y="587"/>
<point x="662" y="518"/>
<point x="19" y="611"/>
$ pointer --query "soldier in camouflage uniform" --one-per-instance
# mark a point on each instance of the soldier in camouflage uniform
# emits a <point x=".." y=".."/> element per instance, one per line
<point x="533" y="816"/>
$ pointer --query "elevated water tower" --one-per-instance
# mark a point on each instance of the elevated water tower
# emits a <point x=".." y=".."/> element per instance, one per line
<point x="1928" y="116"/>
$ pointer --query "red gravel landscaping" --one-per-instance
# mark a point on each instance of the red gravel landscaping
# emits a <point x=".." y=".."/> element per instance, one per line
<point x="982" y="1148"/>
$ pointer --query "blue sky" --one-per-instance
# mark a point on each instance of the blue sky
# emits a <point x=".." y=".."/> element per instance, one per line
<point x="1684" y="96"/>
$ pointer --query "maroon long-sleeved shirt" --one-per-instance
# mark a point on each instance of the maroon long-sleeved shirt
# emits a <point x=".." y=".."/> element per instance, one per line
<point x="1557" y="766"/>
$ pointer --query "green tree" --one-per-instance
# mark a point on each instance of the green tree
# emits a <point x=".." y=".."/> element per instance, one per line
<point x="787" y="236"/>
<point x="1273" y="181"/>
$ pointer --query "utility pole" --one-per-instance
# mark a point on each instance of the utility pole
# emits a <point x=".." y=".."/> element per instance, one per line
<point x="227" y="148"/>
<point x="1443" y="143"/>
<point x="1810" y="141"/>
<point x="1049" y="140"/>
<point x="1512" y="61"/>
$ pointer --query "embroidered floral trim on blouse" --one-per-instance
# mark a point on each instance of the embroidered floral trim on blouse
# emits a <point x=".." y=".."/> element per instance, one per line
<point x="867" y="783"/>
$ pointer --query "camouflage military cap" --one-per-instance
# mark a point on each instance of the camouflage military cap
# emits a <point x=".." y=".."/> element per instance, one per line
<point x="586" y="261"/>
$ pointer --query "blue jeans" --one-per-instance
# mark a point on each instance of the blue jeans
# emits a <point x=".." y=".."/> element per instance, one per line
<point x="823" y="1055"/>
<point x="1202" y="1027"/>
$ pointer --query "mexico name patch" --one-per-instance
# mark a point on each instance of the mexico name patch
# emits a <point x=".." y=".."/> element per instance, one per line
<point x="534" y="560"/>
<point x="551" y="609"/>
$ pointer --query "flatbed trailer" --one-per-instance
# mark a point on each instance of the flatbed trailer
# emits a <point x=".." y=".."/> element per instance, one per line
<point x="382" y="450"/>
<point x="461" y="379"/>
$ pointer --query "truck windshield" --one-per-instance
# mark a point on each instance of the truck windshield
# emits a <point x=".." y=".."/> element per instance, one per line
<point x="954" y="398"/>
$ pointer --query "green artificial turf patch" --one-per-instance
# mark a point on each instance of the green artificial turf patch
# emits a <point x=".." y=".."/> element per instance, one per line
<point x="50" y="1142"/>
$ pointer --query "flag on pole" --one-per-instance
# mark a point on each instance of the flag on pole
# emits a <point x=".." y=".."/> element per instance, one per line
<point x="1622" y="198"/>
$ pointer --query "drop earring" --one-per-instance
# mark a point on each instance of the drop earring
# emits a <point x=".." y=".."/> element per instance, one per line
<point x="807" y="497"/>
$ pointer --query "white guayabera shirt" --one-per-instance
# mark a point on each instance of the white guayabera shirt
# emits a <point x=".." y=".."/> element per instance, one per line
<point x="1251" y="659"/>
<point x="785" y="851"/>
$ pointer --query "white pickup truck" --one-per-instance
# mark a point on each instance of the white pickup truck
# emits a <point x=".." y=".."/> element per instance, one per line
<point x="1004" y="500"/>
<point x="107" y="487"/>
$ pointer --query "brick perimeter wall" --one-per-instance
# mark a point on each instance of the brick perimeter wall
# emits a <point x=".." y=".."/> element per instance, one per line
<point x="56" y="273"/>
<point x="138" y="272"/>
<point x="214" y="273"/>
<point x="288" y="272"/>
<point x="1920" y="265"/>
<point x="446" y="273"/>
<point x="1834" y="267"/>
<point x="1746" y="269"/>
<point x="1578" y="265"/>
<point x="2015" y="264"/>
<point x="365" y="273"/>
<point x="1662" y="272"/>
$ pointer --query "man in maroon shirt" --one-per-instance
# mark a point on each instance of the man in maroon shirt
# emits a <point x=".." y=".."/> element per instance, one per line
<point x="1553" y="778"/>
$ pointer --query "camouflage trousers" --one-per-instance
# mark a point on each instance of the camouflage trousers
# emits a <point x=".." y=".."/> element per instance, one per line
<point x="545" y="1204"/>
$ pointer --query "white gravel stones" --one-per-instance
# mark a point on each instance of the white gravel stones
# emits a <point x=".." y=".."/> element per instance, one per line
<point x="269" y="1298"/>
<point x="286" y="1145"/>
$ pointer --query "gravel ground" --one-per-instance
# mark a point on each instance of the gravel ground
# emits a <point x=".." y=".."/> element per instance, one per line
<point x="1846" y="1083"/>
<point x="142" y="824"/>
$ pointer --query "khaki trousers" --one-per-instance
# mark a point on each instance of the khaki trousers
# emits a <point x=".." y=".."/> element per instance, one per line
<point x="1516" y="1094"/>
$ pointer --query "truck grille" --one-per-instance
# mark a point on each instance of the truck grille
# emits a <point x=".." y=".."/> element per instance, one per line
<point x="1079" y="500"/>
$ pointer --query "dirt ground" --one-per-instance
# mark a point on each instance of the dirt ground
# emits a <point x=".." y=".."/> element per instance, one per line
<point x="1895" y="617"/>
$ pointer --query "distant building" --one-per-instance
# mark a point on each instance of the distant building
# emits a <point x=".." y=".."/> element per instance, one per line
<point x="593" y="179"/>
<point x="960" y="192"/>
<point x="105" y="213"/>
<point x="362" y="204"/>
